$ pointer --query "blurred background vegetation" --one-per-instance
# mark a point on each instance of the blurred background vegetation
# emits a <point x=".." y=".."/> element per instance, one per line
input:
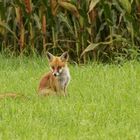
<point x="95" y="30"/>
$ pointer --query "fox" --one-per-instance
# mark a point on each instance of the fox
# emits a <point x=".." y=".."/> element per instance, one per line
<point x="56" y="81"/>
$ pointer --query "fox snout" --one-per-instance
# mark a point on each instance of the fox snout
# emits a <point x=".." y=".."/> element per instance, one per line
<point x="56" y="72"/>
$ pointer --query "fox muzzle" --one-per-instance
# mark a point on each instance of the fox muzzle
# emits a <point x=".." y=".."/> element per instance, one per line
<point x="57" y="72"/>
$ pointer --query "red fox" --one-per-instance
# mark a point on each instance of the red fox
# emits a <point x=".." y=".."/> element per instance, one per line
<point x="56" y="81"/>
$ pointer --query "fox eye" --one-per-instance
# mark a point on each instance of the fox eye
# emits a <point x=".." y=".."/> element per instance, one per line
<point x="52" y="67"/>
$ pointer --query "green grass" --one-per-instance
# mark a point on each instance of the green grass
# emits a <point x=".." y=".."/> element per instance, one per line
<point x="104" y="103"/>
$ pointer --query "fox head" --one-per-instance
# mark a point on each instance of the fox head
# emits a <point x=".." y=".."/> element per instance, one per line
<point x="57" y="64"/>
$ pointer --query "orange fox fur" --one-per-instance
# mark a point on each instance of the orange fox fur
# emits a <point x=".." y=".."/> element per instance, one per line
<point x="54" y="82"/>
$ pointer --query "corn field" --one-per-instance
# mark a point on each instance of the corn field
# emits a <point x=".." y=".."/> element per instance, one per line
<point x="98" y="30"/>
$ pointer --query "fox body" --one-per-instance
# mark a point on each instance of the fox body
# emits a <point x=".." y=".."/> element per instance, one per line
<point x="56" y="81"/>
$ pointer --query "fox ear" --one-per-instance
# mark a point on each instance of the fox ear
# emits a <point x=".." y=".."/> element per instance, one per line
<point x="64" y="56"/>
<point x="49" y="56"/>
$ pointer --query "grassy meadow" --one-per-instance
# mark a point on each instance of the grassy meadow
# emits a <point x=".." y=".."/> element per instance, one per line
<point x="104" y="102"/>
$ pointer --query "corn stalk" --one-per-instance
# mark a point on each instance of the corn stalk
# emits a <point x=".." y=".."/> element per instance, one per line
<point x="88" y="29"/>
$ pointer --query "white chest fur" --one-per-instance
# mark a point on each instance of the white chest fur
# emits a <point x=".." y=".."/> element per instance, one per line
<point x="64" y="78"/>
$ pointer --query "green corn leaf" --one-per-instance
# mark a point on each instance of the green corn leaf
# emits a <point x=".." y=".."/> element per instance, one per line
<point x="4" y="25"/>
<point x="93" y="46"/>
<point x="93" y="3"/>
<point x="126" y="5"/>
